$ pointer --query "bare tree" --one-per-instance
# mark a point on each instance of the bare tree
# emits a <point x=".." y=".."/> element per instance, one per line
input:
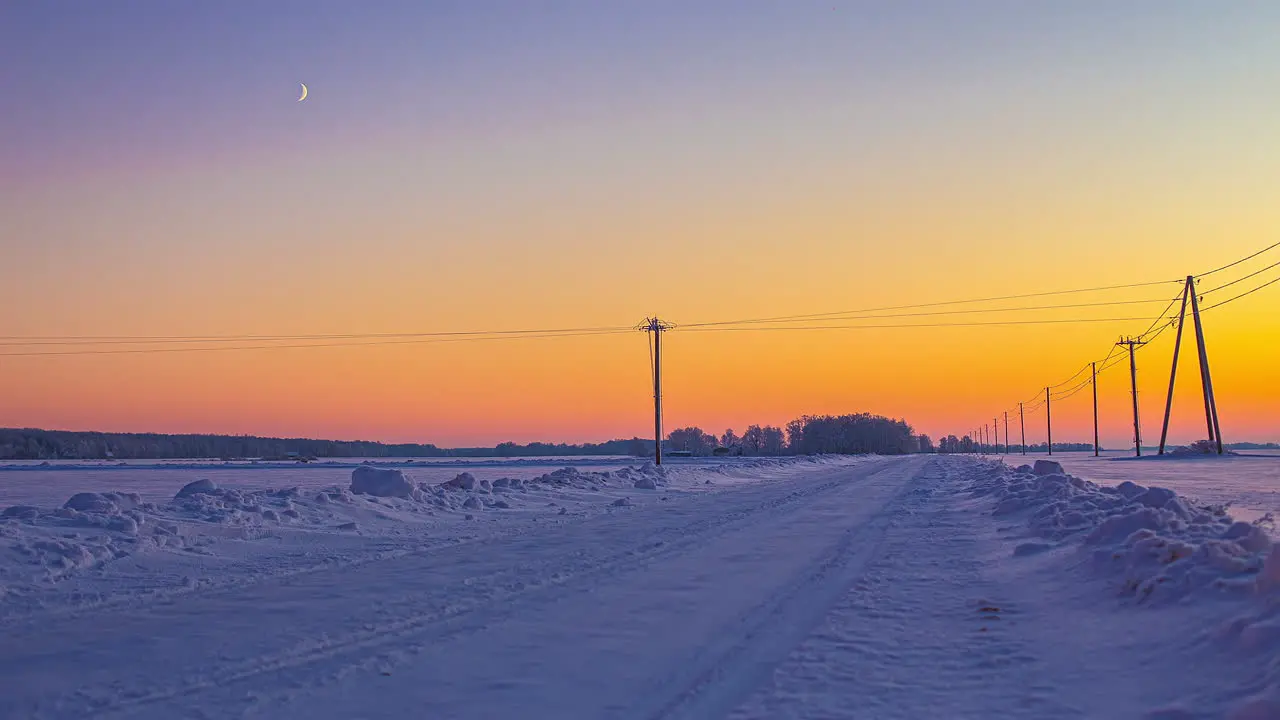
<point x="753" y="440"/>
<point x="729" y="438"/>
<point x="775" y="442"/>
<point x="693" y="439"/>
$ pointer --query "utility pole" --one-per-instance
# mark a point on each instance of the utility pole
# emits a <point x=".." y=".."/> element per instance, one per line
<point x="1210" y="403"/>
<point x="1096" y="447"/>
<point x="1048" y="418"/>
<point x="1022" y="420"/>
<point x="656" y="327"/>
<point x="1133" y="343"/>
<point x="995" y="427"/>
<point x="1006" y="432"/>
<point x="1173" y="373"/>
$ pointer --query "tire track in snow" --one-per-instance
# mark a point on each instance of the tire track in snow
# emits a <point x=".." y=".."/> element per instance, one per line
<point x="928" y="630"/>
<point x="435" y="625"/>
<point x="725" y="674"/>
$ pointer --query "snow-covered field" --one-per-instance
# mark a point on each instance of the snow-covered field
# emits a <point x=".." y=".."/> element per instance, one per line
<point x="799" y="588"/>
<point x="52" y="482"/>
<point x="1248" y="481"/>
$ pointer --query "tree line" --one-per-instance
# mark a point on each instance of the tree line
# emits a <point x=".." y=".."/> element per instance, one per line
<point x="953" y="444"/>
<point x="806" y="435"/>
<point x="33" y="444"/>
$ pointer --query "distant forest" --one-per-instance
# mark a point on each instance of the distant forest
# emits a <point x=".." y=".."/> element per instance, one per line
<point x="70" y="445"/>
<point x="807" y="435"/>
<point x="952" y="444"/>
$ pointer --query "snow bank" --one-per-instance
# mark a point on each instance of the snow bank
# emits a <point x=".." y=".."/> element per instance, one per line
<point x="1161" y="546"/>
<point x="1158" y="546"/>
<point x="209" y="531"/>
<point x="380" y="482"/>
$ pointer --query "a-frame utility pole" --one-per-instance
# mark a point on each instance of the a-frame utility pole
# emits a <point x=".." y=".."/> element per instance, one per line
<point x="1133" y="343"/>
<point x="655" y="328"/>
<point x="1206" y="380"/>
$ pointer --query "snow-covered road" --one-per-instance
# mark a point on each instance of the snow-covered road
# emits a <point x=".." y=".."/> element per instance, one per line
<point x="879" y="589"/>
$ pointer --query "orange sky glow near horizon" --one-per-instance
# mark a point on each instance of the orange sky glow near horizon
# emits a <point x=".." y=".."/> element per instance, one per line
<point x="781" y="164"/>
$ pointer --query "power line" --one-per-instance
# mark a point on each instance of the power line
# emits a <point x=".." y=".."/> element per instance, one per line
<point x="1159" y="329"/>
<point x="926" y="314"/>
<point x="1240" y="280"/>
<point x="1159" y="317"/>
<point x="16" y="340"/>
<point x="226" y="348"/>
<point x="1106" y="365"/>
<point x="1038" y="400"/>
<point x="688" y="328"/>
<point x="1243" y="294"/>
<point x="815" y="316"/>
<point x="1241" y="260"/>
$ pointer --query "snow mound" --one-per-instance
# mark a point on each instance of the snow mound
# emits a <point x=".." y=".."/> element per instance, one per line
<point x="1047" y="467"/>
<point x="1162" y="546"/>
<point x="197" y="487"/>
<point x="1199" y="448"/>
<point x="103" y="502"/>
<point x="464" y="481"/>
<point x="380" y="482"/>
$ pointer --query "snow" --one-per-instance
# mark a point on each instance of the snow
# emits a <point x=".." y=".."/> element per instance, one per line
<point x="380" y="482"/>
<point x="1248" y="482"/>
<point x="76" y="555"/>
<point x="904" y="587"/>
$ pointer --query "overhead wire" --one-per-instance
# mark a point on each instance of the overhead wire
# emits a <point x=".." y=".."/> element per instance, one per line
<point x="753" y="328"/>
<point x="1241" y="260"/>
<point x="227" y="348"/>
<point x="1241" y="295"/>
<point x="1241" y="279"/>
<point x="1162" y="314"/>
<point x="100" y="345"/>
<point x="863" y="311"/>
<point x="17" y="340"/>
<point x="1159" y="325"/>
<point x="853" y="315"/>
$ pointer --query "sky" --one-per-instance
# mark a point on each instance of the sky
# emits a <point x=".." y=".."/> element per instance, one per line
<point x="484" y="165"/>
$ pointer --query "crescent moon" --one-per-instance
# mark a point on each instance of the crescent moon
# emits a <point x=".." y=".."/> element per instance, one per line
<point x="304" y="92"/>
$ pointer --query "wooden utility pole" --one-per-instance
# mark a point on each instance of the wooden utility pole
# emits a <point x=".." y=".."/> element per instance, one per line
<point x="656" y="327"/>
<point x="1096" y="447"/>
<point x="1210" y="403"/>
<point x="1006" y="432"/>
<point x="995" y="427"/>
<point x="1022" y="420"/>
<point x="1206" y="380"/>
<point x="1173" y="373"/>
<point x="1048" y="419"/>
<point x="1133" y="343"/>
